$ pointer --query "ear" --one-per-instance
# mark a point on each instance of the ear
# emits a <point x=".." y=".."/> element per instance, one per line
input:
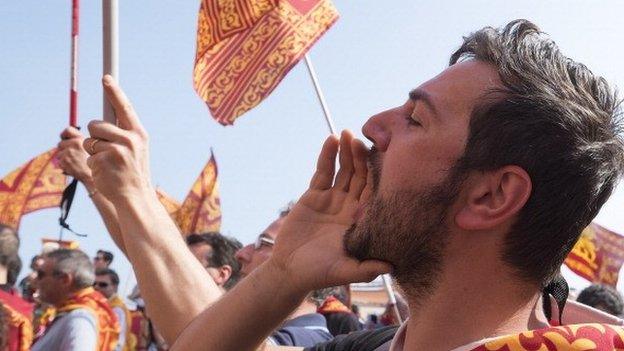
<point x="66" y="279"/>
<point x="494" y="198"/>
<point x="225" y="272"/>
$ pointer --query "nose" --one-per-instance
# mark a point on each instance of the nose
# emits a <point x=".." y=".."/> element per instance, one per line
<point x="377" y="130"/>
<point x="244" y="254"/>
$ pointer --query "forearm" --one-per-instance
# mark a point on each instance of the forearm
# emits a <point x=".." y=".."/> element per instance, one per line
<point x="245" y="316"/>
<point x="174" y="285"/>
<point x="107" y="212"/>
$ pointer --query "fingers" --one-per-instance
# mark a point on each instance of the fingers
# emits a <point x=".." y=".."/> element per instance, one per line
<point x="326" y="165"/>
<point x="73" y="143"/>
<point x="366" y="271"/>
<point x="343" y="178"/>
<point x="107" y="131"/>
<point x="69" y="133"/>
<point x="358" y="180"/>
<point x="94" y="146"/>
<point x="126" y="116"/>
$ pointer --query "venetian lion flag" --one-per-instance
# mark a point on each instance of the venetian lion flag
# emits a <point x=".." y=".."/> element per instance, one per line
<point x="598" y="255"/>
<point x="246" y="47"/>
<point x="201" y="210"/>
<point x="34" y="186"/>
<point x="171" y="205"/>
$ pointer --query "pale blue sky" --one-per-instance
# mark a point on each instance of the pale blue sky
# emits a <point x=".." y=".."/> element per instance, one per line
<point x="372" y="57"/>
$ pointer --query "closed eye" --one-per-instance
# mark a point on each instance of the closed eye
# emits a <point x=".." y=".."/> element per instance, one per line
<point x="411" y="121"/>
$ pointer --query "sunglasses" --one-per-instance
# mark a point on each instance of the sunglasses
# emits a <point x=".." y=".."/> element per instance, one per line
<point x="42" y="274"/>
<point x="101" y="284"/>
<point x="263" y="240"/>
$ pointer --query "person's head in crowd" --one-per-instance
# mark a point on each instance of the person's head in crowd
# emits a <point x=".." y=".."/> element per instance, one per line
<point x="513" y="136"/>
<point x="253" y="255"/>
<point x="27" y="285"/>
<point x="63" y="273"/>
<point x="102" y="259"/>
<point x="602" y="297"/>
<point x="14" y="269"/>
<point x="10" y="263"/>
<point x="216" y="253"/>
<point x="356" y="309"/>
<point x="106" y="282"/>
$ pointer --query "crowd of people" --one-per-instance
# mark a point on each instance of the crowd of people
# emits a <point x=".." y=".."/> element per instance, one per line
<point x="474" y="192"/>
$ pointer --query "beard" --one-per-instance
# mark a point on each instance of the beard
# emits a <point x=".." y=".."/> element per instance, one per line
<point x="407" y="229"/>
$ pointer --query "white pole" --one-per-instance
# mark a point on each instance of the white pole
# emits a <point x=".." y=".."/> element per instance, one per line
<point x="387" y="283"/>
<point x="110" y="32"/>
<point x="319" y="94"/>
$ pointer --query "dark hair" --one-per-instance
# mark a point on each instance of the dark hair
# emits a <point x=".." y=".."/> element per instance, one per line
<point x="556" y="120"/>
<point x="108" y="256"/>
<point x="76" y="263"/>
<point x="602" y="297"/>
<point x="223" y="253"/>
<point x="14" y="267"/>
<point x="9" y="244"/>
<point x="110" y="273"/>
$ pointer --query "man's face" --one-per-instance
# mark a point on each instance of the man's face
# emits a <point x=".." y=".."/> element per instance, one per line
<point x="50" y="287"/>
<point x="104" y="285"/>
<point x="252" y="256"/>
<point x="406" y="221"/>
<point x="99" y="261"/>
<point x="202" y="251"/>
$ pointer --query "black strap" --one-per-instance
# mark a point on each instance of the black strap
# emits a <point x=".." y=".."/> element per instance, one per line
<point x="559" y="290"/>
<point x="66" y="202"/>
<point x="365" y="340"/>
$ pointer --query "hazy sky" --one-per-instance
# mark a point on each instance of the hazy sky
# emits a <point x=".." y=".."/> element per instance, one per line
<point x="366" y="63"/>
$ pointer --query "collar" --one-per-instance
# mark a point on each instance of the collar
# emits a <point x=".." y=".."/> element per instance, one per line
<point x="398" y="342"/>
<point x="308" y="321"/>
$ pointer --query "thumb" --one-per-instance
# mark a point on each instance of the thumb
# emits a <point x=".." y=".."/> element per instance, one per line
<point x="362" y="271"/>
<point x="126" y="116"/>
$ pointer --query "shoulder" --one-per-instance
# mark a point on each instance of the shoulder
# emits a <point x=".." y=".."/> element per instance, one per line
<point x="358" y="341"/>
<point x="79" y="316"/>
<point x="306" y="330"/>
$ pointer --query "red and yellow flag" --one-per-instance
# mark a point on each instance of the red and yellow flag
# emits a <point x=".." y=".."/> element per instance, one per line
<point x="171" y="205"/>
<point x="597" y="255"/>
<point x="34" y="186"/>
<point x="246" y="47"/>
<point x="201" y="210"/>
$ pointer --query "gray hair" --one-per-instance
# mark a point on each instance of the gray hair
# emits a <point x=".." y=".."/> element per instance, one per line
<point x="76" y="263"/>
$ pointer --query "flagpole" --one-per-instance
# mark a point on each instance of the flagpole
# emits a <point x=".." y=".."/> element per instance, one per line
<point x="110" y="32"/>
<point x="66" y="199"/>
<point x="319" y="94"/>
<point x="387" y="283"/>
<point x="332" y="130"/>
<point x="73" y="80"/>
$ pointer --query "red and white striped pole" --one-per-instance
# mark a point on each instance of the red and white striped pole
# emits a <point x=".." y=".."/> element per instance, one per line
<point x="73" y="89"/>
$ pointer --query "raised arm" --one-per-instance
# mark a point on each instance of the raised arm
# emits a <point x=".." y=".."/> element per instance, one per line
<point x="174" y="285"/>
<point x="73" y="160"/>
<point x="308" y="254"/>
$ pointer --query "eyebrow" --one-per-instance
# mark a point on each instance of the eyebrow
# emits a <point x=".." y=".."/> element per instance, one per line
<point x="421" y="95"/>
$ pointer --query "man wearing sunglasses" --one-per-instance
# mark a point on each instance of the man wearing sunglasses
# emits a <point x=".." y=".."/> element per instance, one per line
<point x="107" y="283"/>
<point x="304" y="326"/>
<point x="83" y="319"/>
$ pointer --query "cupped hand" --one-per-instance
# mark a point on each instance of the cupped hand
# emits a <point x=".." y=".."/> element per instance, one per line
<point x="309" y="249"/>
<point x="72" y="155"/>
<point x="119" y="159"/>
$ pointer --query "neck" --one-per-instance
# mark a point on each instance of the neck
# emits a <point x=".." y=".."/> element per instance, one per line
<point x="306" y="307"/>
<point x="473" y="300"/>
